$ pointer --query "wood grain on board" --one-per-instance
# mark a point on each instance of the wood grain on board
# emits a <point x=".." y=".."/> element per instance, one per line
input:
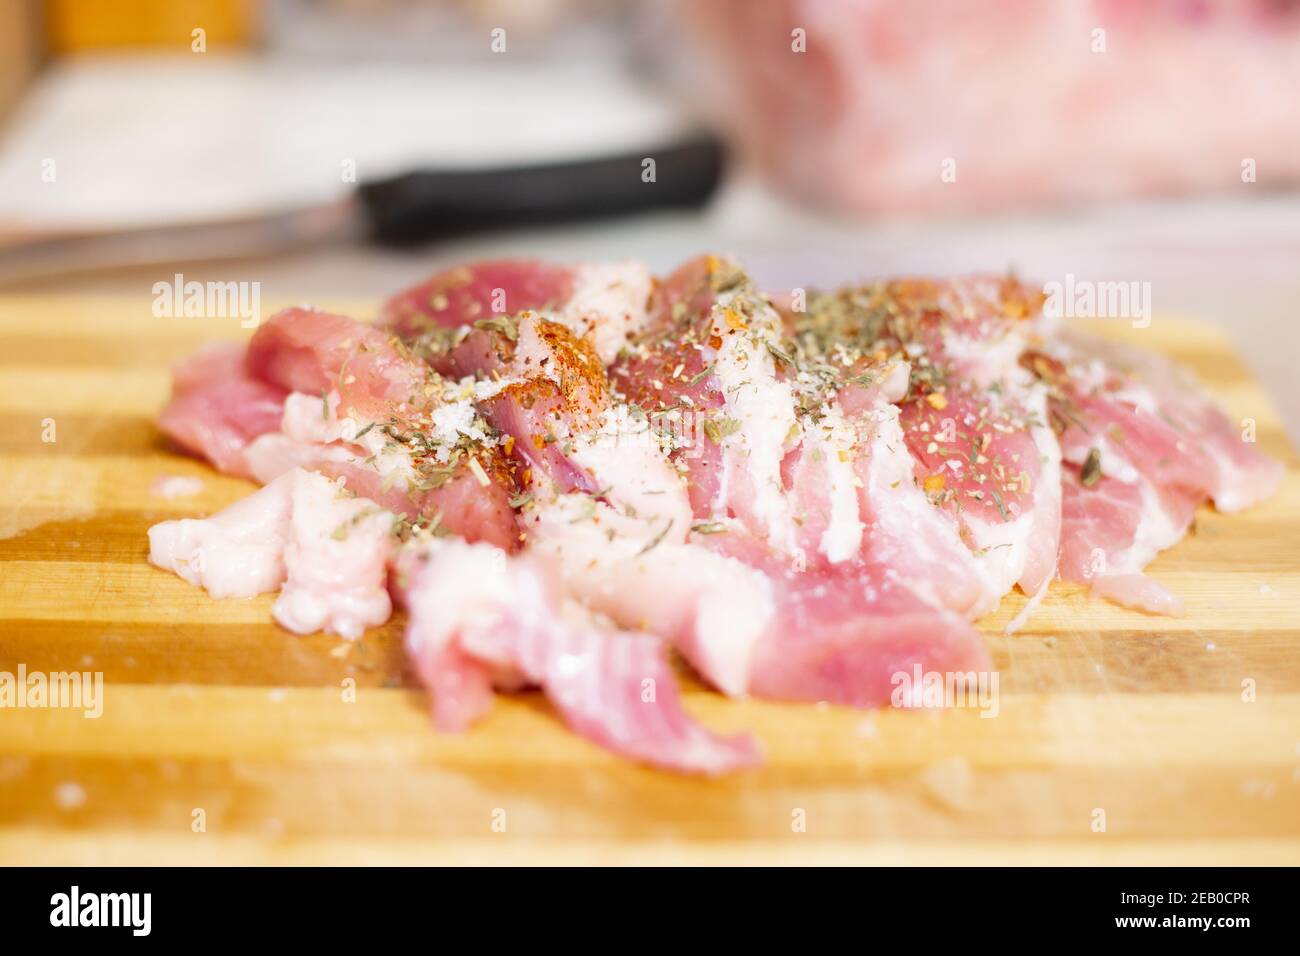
<point x="1185" y="733"/>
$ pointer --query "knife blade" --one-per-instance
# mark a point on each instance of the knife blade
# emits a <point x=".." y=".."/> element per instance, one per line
<point x="403" y="210"/>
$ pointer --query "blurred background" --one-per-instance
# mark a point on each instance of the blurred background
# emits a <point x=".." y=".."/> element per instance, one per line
<point x="1155" y="141"/>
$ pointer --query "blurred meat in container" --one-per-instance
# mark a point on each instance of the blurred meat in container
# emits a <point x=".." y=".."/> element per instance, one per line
<point x="962" y="105"/>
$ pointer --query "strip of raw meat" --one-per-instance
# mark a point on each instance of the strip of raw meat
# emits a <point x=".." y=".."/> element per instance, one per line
<point x="602" y="304"/>
<point x="972" y="419"/>
<point x="305" y="350"/>
<point x="844" y="632"/>
<point x="216" y="409"/>
<point x="382" y="420"/>
<point x="1175" y="434"/>
<point x="1144" y="448"/>
<point x="479" y="615"/>
<point x="744" y="617"/>
<point x="552" y="401"/>
<point x="218" y="420"/>
<point x="236" y="553"/>
<point x="421" y="470"/>
<point x="1113" y="529"/>
<point x="212" y="362"/>
<point x="713" y="608"/>
<point x="335" y="560"/>
<point x="303" y="531"/>
<point x="710" y="353"/>
<point x="903" y="530"/>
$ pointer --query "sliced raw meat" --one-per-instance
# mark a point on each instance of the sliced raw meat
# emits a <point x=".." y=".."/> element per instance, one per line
<point x="213" y="362"/>
<point x="216" y="409"/>
<point x="236" y="553"/>
<point x="601" y="304"/>
<point x="386" y="423"/>
<point x="746" y="619"/>
<point x="303" y="532"/>
<point x="805" y="504"/>
<point x="903" y="531"/>
<point x="893" y="106"/>
<point x="479" y="616"/>
<point x="711" y="607"/>
<point x="387" y="465"/>
<point x="1112" y="530"/>
<point x="710" y="355"/>
<point x="1144" y="448"/>
<point x="305" y="350"/>
<point x="1140" y="409"/>
<point x="335" y="560"/>
<point x="552" y="401"/>
<point x="218" y="419"/>
<point x="972" y="419"/>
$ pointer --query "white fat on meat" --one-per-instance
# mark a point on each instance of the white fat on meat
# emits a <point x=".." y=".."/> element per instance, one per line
<point x="236" y="553"/>
<point x="1022" y="550"/>
<point x="1037" y="564"/>
<point x="906" y="532"/>
<point x="626" y="457"/>
<point x="763" y="407"/>
<point x="458" y="589"/>
<point x="335" y="560"/>
<point x="309" y="434"/>
<point x="712" y="608"/>
<point x="833" y="440"/>
<point x="608" y="305"/>
<point x="1121" y="578"/>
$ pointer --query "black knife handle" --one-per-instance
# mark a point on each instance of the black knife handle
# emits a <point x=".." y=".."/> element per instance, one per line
<point x="415" y="207"/>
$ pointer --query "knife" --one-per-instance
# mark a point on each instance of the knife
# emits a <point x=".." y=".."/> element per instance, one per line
<point x="404" y="210"/>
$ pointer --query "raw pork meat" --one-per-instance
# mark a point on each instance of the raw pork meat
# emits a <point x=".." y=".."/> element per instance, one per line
<point x="1143" y="448"/>
<point x="480" y="616"/>
<point x="304" y="533"/>
<point x="974" y="421"/>
<point x="893" y="105"/>
<point x="324" y="392"/>
<point x="561" y="471"/>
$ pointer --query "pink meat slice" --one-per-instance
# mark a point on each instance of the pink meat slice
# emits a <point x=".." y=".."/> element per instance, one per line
<point x="377" y="378"/>
<point x="216" y="409"/>
<point x="479" y="617"/>
<point x="1145" y="448"/>
<point x="672" y="369"/>
<point x="600" y="303"/>
<point x="559" y="391"/>
<point x="903" y="531"/>
<point x="464" y="506"/>
<point x="1154" y="417"/>
<point x="213" y="362"/>
<point x="1112" y="530"/>
<point x="973" y="420"/>
<point x="469" y="293"/>
<point x="314" y="352"/>
<point x="842" y="633"/>
<point x="217" y="420"/>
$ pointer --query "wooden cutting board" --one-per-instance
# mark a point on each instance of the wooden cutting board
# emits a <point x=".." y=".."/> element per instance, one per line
<point x="1120" y="738"/>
